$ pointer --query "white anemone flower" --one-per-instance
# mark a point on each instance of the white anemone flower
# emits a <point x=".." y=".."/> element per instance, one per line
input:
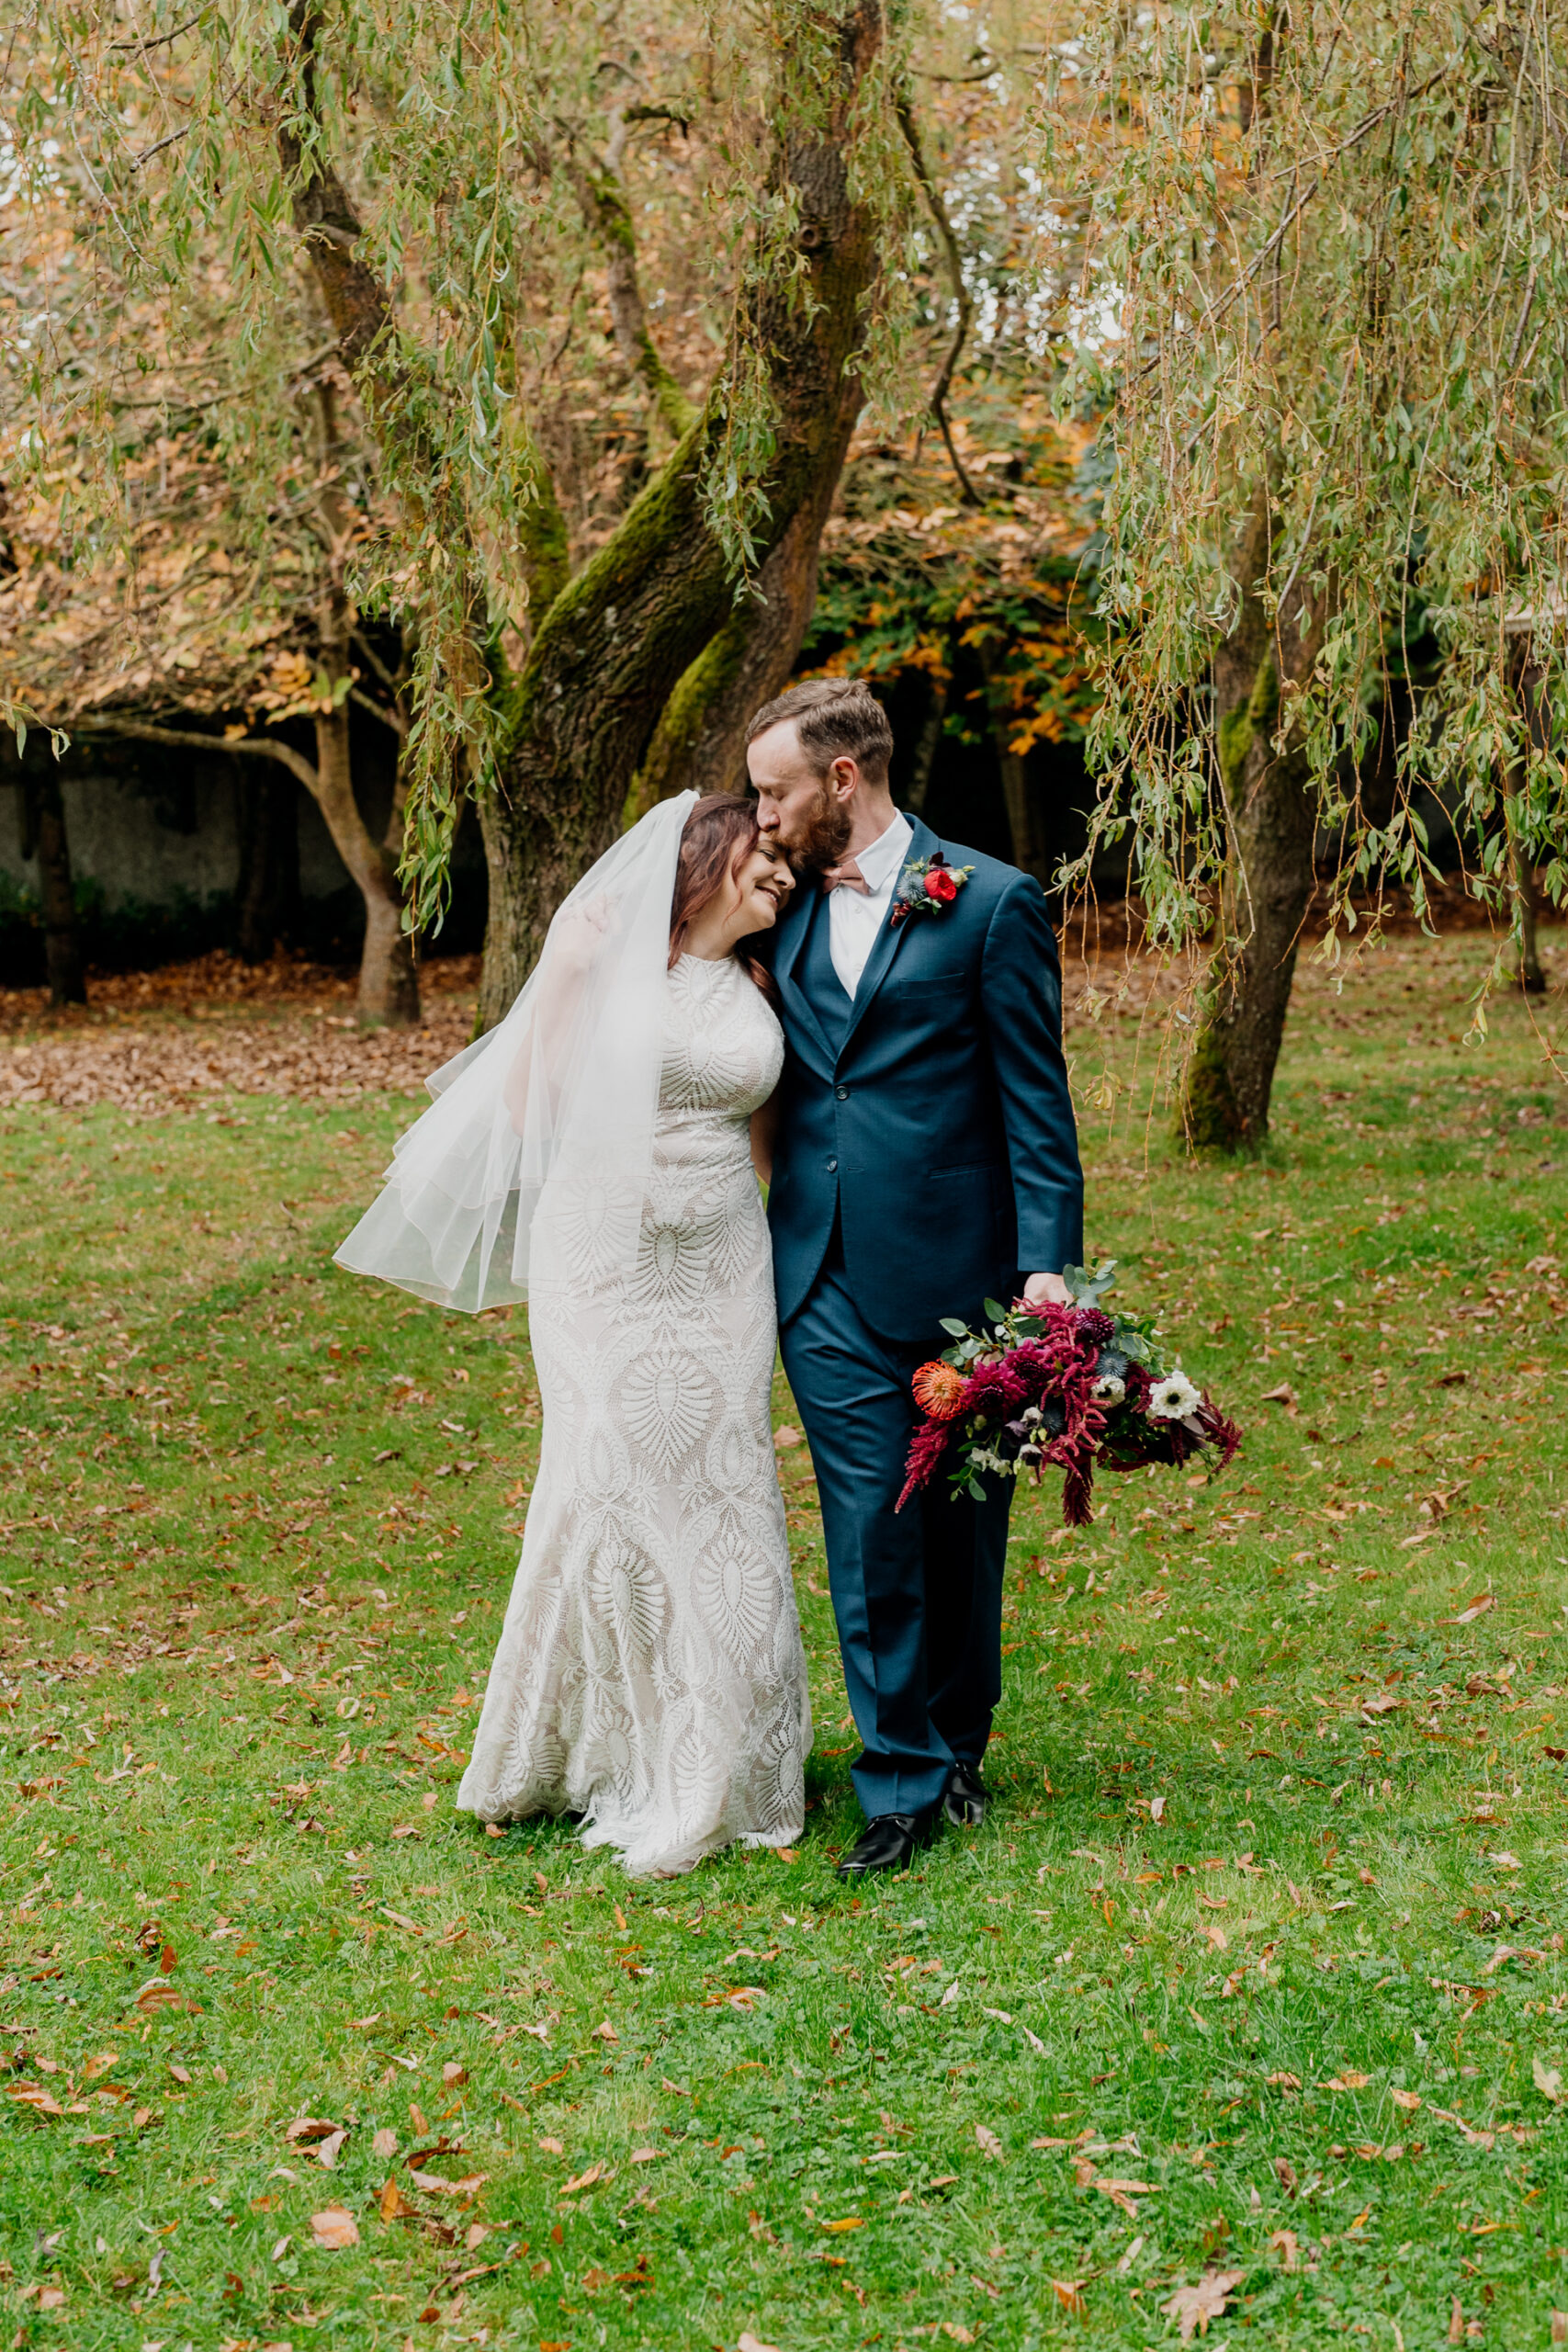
<point x="1174" y="1398"/>
<point x="1108" y="1389"/>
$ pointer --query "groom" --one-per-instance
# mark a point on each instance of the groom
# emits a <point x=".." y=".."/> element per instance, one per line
<point x="926" y="1159"/>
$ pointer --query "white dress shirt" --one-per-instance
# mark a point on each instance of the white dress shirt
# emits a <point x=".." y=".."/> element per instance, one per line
<point x="854" y="917"/>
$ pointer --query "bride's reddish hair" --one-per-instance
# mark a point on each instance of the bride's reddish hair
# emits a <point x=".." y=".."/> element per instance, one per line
<point x="721" y="830"/>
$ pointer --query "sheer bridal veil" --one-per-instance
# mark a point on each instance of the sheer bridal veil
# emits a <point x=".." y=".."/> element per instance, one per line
<point x="540" y="1137"/>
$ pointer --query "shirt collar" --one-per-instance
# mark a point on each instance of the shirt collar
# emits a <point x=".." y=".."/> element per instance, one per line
<point x="879" y="862"/>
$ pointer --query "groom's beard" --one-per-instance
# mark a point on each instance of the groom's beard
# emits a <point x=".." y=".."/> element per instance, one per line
<point x="829" y="825"/>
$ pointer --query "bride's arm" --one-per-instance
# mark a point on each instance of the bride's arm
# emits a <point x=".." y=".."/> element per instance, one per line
<point x="764" y="1133"/>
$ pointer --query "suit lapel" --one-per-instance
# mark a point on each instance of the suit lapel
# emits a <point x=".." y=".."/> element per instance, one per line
<point x="922" y="841"/>
<point x="796" y="928"/>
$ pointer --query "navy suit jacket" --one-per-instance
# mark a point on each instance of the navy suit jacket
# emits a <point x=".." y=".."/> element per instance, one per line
<point x="940" y="1129"/>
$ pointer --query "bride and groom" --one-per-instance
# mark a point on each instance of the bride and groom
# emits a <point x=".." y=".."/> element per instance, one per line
<point x="808" y="987"/>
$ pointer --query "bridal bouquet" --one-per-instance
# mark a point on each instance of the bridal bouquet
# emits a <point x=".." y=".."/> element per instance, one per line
<point x="1075" y="1386"/>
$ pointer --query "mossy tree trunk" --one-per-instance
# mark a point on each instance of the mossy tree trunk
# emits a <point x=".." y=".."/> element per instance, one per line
<point x="700" y="741"/>
<point x="1269" y="880"/>
<point x="576" y="722"/>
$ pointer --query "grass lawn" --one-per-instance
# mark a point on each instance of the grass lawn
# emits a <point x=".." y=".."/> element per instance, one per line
<point x="1251" y="1999"/>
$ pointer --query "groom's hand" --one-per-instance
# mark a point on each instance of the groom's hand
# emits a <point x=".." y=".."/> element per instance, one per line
<point x="1040" y="1288"/>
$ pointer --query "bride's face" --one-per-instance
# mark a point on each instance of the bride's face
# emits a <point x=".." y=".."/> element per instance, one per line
<point x="757" y="889"/>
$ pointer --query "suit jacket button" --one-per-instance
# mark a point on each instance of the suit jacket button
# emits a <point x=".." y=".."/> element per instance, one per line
<point x="832" y="1167"/>
<point x="843" y="1093"/>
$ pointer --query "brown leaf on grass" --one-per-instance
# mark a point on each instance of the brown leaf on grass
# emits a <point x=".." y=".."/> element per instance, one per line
<point x="159" y="1994"/>
<point x="334" y="2227"/>
<point x="326" y="2154"/>
<point x="1285" y="2174"/>
<point x="1348" y="2079"/>
<point x="1195" y="2307"/>
<point x="308" y="2128"/>
<point x="646" y="2156"/>
<point x="1285" y="2082"/>
<point x="34" y="2095"/>
<point x="990" y="2143"/>
<point x="180" y="2074"/>
<point x="1284" y="1394"/>
<point x="1284" y="2243"/>
<point x="1408" y="2100"/>
<point x="1548" y="2080"/>
<point x="416" y="2117"/>
<point x="384" y="2142"/>
<point x="595" y="2172"/>
<point x="1473" y="1609"/>
<point x="452" y="2073"/>
<point x="749" y="2343"/>
<point x="837" y="2228"/>
<point x="392" y="2202"/>
<point x="1069" y="2294"/>
<point x="605" y="2032"/>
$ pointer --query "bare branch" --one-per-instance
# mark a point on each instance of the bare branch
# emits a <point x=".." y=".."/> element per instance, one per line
<point x="257" y="747"/>
<point x="961" y="294"/>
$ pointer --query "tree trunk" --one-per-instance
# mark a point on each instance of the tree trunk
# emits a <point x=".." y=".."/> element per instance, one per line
<point x="619" y="637"/>
<point x="1028" y="850"/>
<point x="1521" y="866"/>
<point x="265" y="810"/>
<point x="1269" y="815"/>
<point x="45" y="828"/>
<point x="700" y="741"/>
<point x="926" y="744"/>
<point x="572" y="727"/>
<point x="388" y="984"/>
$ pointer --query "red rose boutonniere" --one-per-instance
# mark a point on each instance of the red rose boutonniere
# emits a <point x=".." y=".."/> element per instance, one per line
<point x="926" y="887"/>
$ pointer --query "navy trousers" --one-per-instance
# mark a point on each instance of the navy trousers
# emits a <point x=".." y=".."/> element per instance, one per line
<point x="917" y="1594"/>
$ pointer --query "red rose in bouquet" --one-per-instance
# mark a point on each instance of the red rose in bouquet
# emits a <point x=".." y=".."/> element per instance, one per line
<point x="940" y="886"/>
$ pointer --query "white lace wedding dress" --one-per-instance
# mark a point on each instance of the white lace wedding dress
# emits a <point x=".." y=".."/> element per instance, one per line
<point x="650" y="1674"/>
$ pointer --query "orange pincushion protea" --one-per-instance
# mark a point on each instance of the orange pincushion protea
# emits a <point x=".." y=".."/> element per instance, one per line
<point x="939" y="1391"/>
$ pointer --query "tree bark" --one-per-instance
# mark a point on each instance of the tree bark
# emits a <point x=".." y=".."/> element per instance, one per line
<point x="1269" y="885"/>
<point x="700" y="741"/>
<point x="45" y="828"/>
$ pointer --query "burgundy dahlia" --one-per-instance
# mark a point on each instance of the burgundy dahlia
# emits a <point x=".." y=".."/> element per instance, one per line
<point x="1095" y="1327"/>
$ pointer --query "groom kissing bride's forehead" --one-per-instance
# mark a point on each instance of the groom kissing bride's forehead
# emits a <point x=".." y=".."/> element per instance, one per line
<point x="924" y="1157"/>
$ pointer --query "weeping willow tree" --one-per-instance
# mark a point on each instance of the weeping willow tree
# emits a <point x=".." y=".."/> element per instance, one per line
<point x="601" y="296"/>
<point x="1312" y="267"/>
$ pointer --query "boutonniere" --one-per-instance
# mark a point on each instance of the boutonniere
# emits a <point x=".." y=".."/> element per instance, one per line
<point x="926" y="887"/>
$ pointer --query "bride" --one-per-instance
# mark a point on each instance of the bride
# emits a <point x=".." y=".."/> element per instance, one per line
<point x="595" y="1155"/>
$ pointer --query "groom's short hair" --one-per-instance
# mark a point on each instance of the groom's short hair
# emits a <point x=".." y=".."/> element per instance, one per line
<point x="835" y="719"/>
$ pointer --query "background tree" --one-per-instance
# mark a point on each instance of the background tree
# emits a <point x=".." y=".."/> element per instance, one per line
<point x="179" y="544"/>
<point x="1310" y="266"/>
<point x="607" y="307"/>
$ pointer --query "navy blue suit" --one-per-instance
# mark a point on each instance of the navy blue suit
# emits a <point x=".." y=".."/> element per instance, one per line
<point x="926" y="1158"/>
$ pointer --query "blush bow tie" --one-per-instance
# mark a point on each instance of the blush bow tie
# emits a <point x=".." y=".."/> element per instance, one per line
<point x="847" y="876"/>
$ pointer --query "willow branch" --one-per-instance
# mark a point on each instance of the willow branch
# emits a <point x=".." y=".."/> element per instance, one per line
<point x="961" y="294"/>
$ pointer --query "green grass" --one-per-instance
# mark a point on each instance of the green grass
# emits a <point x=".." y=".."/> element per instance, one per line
<point x="260" y="1524"/>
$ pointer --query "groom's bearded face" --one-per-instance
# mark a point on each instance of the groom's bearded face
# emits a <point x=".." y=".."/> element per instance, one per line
<point x="822" y="834"/>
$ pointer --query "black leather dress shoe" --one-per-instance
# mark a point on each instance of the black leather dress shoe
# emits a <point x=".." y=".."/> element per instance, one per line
<point x="965" y="1798"/>
<point x="888" y="1843"/>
